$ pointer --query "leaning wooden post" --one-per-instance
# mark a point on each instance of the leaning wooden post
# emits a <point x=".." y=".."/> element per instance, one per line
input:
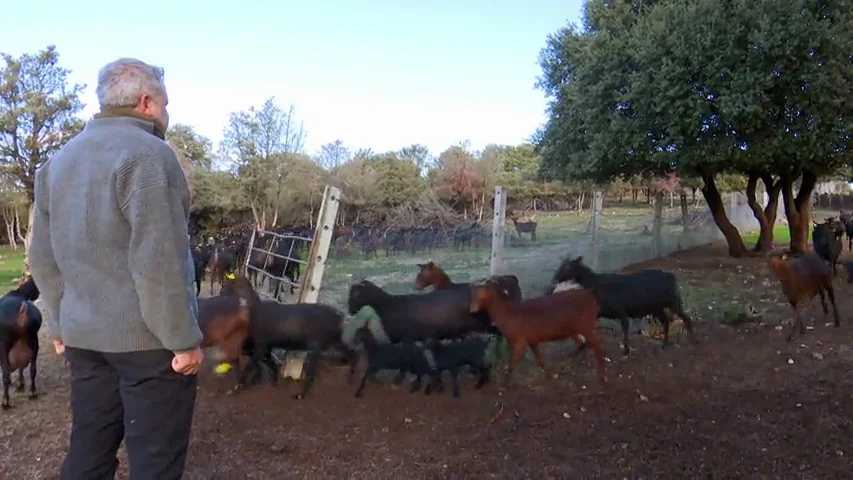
<point x="498" y="228"/>
<point x="248" y="260"/>
<point x="313" y="277"/>
<point x="310" y="291"/>
<point x="595" y="220"/>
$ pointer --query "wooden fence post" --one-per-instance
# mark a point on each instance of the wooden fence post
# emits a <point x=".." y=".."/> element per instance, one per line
<point x="498" y="230"/>
<point x="320" y="246"/>
<point x="293" y="363"/>
<point x="595" y="220"/>
<point x="657" y="225"/>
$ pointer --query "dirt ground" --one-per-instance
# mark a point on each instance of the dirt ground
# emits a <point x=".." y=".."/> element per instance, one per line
<point x="742" y="403"/>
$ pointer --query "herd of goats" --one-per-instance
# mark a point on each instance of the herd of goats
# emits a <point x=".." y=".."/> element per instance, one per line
<point x="445" y="326"/>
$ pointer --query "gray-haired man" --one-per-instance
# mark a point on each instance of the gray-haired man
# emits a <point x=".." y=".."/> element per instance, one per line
<point x="110" y="255"/>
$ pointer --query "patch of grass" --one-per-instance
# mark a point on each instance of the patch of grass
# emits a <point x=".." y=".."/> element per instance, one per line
<point x="11" y="267"/>
<point x="781" y="235"/>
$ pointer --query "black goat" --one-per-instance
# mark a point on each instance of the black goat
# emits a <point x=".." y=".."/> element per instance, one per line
<point x="626" y="296"/>
<point x="26" y="290"/>
<point x="451" y="356"/>
<point x="436" y="315"/>
<point x="201" y="257"/>
<point x="20" y="322"/>
<point x="406" y="358"/>
<point x="826" y="245"/>
<point x="310" y="327"/>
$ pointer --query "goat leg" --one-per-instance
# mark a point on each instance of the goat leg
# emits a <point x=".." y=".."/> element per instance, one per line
<point x="431" y="384"/>
<point x="416" y="385"/>
<point x="625" y="323"/>
<point x="539" y="359"/>
<point x="20" y="386"/>
<point x="485" y="372"/>
<point x="664" y="319"/>
<point x="313" y="361"/>
<point x="360" y="391"/>
<point x="7" y="379"/>
<point x="798" y="324"/>
<point x="398" y="380"/>
<point x="454" y="381"/>
<point x="830" y="292"/>
<point x="517" y="352"/>
<point x="595" y="343"/>
<point x="823" y="301"/>
<point x="580" y="346"/>
<point x="33" y="370"/>
<point x="678" y="309"/>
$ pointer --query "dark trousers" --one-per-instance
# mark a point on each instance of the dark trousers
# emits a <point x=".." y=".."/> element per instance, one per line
<point x="132" y="396"/>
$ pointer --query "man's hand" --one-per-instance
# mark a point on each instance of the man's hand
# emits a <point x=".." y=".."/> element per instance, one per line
<point x="187" y="363"/>
<point x="59" y="346"/>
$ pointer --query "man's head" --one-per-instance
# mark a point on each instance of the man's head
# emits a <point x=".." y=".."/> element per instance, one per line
<point x="128" y="82"/>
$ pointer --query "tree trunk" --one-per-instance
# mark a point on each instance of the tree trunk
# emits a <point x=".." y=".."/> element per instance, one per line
<point x="684" y="217"/>
<point x="718" y="211"/>
<point x="797" y="208"/>
<point x="766" y="216"/>
<point x="28" y="238"/>
<point x="9" y="220"/>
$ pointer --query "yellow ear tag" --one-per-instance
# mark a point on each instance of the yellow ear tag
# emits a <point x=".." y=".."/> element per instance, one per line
<point x="784" y="257"/>
<point x="222" y="368"/>
<point x="230" y="276"/>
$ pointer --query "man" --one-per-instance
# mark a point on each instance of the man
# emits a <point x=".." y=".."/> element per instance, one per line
<point x="110" y="253"/>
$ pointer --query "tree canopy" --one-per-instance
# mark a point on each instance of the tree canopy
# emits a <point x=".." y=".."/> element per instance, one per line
<point x="703" y="88"/>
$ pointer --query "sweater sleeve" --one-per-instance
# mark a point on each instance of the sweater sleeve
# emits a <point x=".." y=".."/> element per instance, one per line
<point x="43" y="265"/>
<point x="156" y="207"/>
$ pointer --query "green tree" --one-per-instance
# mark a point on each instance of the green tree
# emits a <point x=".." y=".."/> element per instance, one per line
<point x="38" y="115"/>
<point x="700" y="89"/>
<point x="193" y="147"/>
<point x="260" y="142"/>
<point x="332" y="155"/>
<point x="419" y="155"/>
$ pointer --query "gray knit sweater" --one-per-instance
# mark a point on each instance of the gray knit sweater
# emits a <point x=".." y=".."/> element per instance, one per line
<point x="109" y="248"/>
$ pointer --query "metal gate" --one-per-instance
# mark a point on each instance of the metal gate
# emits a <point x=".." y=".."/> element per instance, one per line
<point x="312" y="266"/>
<point x="273" y="262"/>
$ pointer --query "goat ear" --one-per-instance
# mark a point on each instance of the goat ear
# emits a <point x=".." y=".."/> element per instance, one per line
<point x="579" y="259"/>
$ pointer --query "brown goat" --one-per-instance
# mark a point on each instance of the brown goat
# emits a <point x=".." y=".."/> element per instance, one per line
<point x="802" y="279"/>
<point x="570" y="314"/>
<point x="430" y="274"/>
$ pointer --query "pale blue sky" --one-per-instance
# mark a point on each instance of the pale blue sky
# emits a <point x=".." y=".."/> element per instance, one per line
<point x="378" y="74"/>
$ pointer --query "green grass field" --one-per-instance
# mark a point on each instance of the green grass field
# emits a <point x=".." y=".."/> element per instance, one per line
<point x="624" y="238"/>
<point x="11" y="267"/>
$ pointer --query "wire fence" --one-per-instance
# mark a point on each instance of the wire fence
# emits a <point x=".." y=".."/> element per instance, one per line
<point x="609" y="236"/>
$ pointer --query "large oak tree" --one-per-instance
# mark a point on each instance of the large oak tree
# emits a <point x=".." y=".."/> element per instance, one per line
<point x="702" y="88"/>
